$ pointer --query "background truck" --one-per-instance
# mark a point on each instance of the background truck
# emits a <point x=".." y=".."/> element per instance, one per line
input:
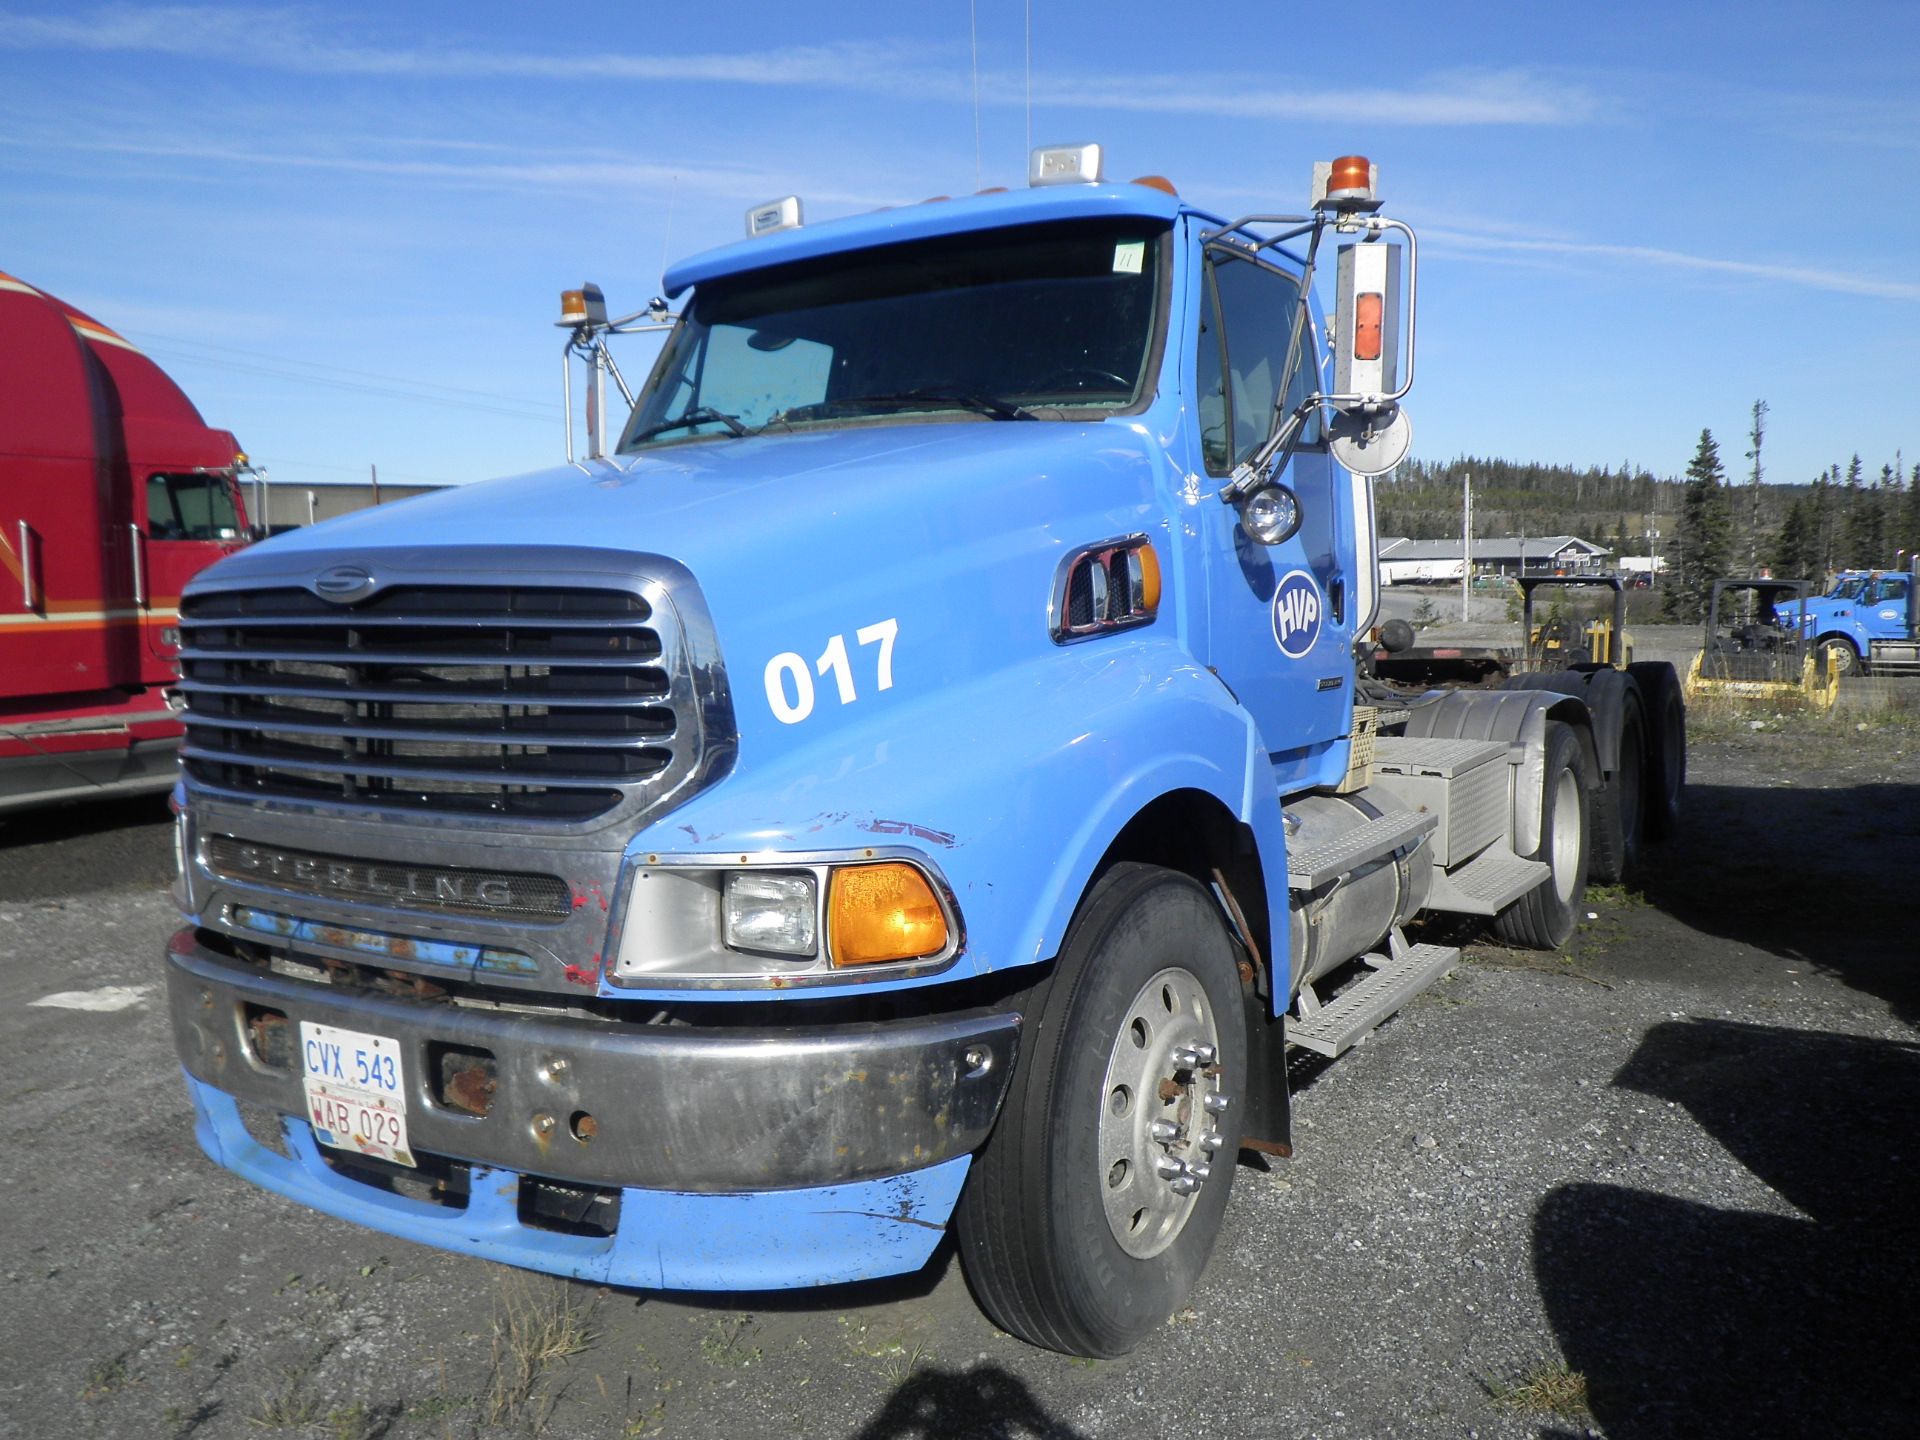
<point x="918" y="775"/>
<point x="1866" y="623"/>
<point x="113" y="491"/>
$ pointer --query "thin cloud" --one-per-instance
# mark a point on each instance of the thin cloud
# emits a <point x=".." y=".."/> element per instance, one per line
<point x="303" y="41"/>
<point x="1809" y="277"/>
<point x="591" y="172"/>
<point x="1504" y="97"/>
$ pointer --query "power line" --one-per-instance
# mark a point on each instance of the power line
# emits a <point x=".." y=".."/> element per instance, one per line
<point x="317" y="365"/>
<point x="383" y="391"/>
<point x="973" y="32"/>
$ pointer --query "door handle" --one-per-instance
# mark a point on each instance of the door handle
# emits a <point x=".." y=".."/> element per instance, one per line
<point x="139" y="566"/>
<point x="26" y="565"/>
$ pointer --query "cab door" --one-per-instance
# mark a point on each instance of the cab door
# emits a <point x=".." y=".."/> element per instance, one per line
<point x="1279" y="617"/>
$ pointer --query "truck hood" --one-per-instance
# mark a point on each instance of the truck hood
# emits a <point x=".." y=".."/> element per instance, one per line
<point x="950" y="534"/>
<point x="707" y="502"/>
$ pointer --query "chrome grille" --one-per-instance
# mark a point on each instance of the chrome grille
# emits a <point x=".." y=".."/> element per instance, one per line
<point x="523" y="702"/>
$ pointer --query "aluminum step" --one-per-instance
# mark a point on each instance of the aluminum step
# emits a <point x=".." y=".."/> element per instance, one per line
<point x="1335" y="1027"/>
<point x="1309" y="869"/>
<point x="1486" y="884"/>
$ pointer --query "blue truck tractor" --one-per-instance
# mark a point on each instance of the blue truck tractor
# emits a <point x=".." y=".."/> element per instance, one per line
<point x="915" y="776"/>
<point x="1865" y="623"/>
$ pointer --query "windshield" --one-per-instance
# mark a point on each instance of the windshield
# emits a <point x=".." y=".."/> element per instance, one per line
<point x="1847" y="588"/>
<point x="191" y="507"/>
<point x="1026" y="323"/>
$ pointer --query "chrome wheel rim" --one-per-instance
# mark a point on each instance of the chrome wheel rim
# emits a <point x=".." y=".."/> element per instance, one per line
<point x="1158" y="1109"/>
<point x="1566" y="834"/>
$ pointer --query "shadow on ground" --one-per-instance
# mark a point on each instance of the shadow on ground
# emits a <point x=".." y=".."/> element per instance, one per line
<point x="1821" y="876"/>
<point x="82" y="848"/>
<point x="1697" y="1322"/>
<point x="984" y="1403"/>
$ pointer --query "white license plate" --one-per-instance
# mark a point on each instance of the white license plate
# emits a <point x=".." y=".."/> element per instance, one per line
<point x="356" y="1088"/>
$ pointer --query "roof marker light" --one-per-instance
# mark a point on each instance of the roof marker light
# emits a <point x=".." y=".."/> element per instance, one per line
<point x="1065" y="165"/>
<point x="1157" y="182"/>
<point x="782" y="214"/>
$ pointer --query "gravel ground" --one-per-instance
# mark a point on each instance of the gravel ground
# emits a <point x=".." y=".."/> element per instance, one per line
<point x="1660" y="1185"/>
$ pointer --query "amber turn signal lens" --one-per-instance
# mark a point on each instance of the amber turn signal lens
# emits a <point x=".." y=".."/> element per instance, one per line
<point x="877" y="913"/>
<point x="1367" y="310"/>
<point x="1149" y="596"/>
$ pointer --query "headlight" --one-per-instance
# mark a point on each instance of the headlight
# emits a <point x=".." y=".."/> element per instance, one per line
<point x="770" y="911"/>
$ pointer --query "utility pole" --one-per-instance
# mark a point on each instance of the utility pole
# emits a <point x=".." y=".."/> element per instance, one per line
<point x="1466" y="554"/>
<point x="1756" y="434"/>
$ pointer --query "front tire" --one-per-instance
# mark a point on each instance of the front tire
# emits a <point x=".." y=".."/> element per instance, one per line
<point x="1545" y="916"/>
<point x="1091" y="1212"/>
<point x="1840" y="657"/>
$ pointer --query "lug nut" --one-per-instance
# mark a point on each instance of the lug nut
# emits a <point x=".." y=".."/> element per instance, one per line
<point x="1186" y="1057"/>
<point x="1184" y="1185"/>
<point x="1204" y="1054"/>
<point x="1169" y="1168"/>
<point x="1217" y="1104"/>
<point x="1165" y="1131"/>
<point x="1212" y="1141"/>
<point x="1200" y="1171"/>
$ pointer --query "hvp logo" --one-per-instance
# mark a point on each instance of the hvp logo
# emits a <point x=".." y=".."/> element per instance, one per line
<point x="1296" y="614"/>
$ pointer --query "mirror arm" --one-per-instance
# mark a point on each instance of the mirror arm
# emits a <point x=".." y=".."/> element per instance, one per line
<point x="1259" y="468"/>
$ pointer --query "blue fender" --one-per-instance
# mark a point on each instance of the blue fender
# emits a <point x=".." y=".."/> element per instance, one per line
<point x="1012" y="786"/>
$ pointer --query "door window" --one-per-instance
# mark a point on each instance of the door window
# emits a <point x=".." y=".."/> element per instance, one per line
<point x="1246" y="325"/>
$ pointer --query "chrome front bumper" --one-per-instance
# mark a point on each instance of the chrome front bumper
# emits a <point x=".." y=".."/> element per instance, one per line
<point x="673" y="1107"/>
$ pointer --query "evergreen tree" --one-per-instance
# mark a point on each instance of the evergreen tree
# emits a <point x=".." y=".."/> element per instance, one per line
<point x="1757" y="434"/>
<point x="1824" y="518"/>
<point x="1703" y="536"/>
<point x="1848" y="543"/>
<point x="1910" y="526"/>
<point x="1794" y="547"/>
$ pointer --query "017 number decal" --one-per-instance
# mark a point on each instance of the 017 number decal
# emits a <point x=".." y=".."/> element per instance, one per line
<point x="789" y="678"/>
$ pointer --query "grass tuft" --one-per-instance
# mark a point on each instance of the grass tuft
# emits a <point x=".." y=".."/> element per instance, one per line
<point x="535" y="1327"/>
<point x="1550" y="1388"/>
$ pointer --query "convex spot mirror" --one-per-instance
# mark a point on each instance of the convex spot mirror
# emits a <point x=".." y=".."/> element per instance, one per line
<point x="1271" y="515"/>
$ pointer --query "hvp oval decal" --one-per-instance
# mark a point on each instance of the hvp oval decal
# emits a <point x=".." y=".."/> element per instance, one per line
<point x="1297" y="608"/>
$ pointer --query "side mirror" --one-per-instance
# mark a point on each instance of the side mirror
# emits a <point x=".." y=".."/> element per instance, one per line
<point x="1373" y="320"/>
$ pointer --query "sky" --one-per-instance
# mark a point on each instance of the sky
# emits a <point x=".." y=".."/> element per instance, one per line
<point x="344" y="228"/>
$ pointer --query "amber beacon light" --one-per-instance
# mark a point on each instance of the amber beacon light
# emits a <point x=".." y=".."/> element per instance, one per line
<point x="878" y="913"/>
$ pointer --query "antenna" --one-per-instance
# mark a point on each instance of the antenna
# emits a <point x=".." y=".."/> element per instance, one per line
<point x="667" y="239"/>
<point x="1029" y="77"/>
<point x="973" y="32"/>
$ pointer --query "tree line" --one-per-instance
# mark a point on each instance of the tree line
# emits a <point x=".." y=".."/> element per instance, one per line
<point x="1706" y="524"/>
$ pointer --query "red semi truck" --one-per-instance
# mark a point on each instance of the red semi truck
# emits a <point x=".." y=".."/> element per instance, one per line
<point x="113" y="493"/>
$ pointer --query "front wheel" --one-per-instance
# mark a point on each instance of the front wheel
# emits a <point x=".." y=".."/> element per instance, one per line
<point x="1840" y="657"/>
<point x="1089" y="1216"/>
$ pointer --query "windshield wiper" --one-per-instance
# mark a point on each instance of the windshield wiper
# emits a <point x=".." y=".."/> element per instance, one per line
<point x="933" y="397"/>
<point x="699" y="415"/>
